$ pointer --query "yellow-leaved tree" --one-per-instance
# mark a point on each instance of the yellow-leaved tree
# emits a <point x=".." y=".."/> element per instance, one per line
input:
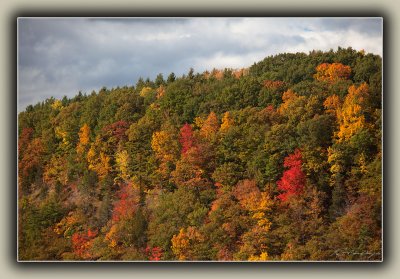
<point x="56" y="171"/>
<point x="122" y="160"/>
<point x="84" y="138"/>
<point x="210" y="127"/>
<point x="227" y="122"/>
<point x="257" y="204"/>
<point x="98" y="160"/>
<point x="166" y="149"/>
<point x="184" y="243"/>
<point x="351" y="115"/>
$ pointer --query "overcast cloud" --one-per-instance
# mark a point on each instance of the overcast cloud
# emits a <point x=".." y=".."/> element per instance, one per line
<point x="58" y="57"/>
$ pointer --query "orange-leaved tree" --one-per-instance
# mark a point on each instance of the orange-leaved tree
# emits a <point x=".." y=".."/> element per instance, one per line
<point x="332" y="72"/>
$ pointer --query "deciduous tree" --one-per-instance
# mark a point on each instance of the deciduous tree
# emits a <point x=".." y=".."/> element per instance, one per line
<point x="293" y="179"/>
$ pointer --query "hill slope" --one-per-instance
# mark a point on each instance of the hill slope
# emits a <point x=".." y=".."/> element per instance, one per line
<point x="280" y="161"/>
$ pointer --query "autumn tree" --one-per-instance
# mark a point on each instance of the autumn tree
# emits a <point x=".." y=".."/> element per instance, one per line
<point x="66" y="126"/>
<point x="128" y="201"/>
<point x="356" y="235"/>
<point x="191" y="169"/>
<point x="353" y="145"/>
<point x="351" y="116"/>
<point x="164" y="143"/>
<point x="115" y="133"/>
<point x="184" y="243"/>
<point x="122" y="161"/>
<point x="23" y="141"/>
<point x="293" y="179"/>
<point x="271" y="92"/>
<point x="227" y="122"/>
<point x="299" y="226"/>
<point x="186" y="138"/>
<point x="128" y="222"/>
<point x="332" y="72"/>
<point x="210" y="127"/>
<point x="168" y="218"/>
<point x="332" y="104"/>
<point x="98" y="161"/>
<point x="81" y="243"/>
<point x="258" y="204"/>
<point x="56" y="171"/>
<point x="154" y="253"/>
<point x="293" y="107"/>
<point x="84" y="138"/>
<point x="30" y="164"/>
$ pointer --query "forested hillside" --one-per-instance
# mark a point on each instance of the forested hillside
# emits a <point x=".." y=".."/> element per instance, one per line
<point x="278" y="161"/>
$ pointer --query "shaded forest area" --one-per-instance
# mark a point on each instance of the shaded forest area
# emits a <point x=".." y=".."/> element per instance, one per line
<point x="279" y="161"/>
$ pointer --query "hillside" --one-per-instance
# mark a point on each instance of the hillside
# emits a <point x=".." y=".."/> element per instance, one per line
<point x="279" y="161"/>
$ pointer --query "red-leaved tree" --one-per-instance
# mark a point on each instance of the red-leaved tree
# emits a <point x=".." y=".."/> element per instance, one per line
<point x="186" y="138"/>
<point x="293" y="179"/>
<point x="127" y="203"/>
<point x="81" y="243"/>
<point x="116" y="131"/>
<point x="153" y="253"/>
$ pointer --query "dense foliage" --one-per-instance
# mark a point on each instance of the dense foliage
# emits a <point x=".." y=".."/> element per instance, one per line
<point x="280" y="161"/>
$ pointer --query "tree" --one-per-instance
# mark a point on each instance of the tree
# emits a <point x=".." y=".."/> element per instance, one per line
<point x="56" y="171"/>
<point x="351" y="115"/>
<point x="159" y="80"/>
<point x="189" y="174"/>
<point x="184" y="243"/>
<point x="293" y="107"/>
<point x="356" y="235"/>
<point x="122" y="161"/>
<point x="171" y="78"/>
<point x="226" y="175"/>
<point x="297" y="225"/>
<point x="84" y="138"/>
<point x="98" y="162"/>
<point x="23" y="141"/>
<point x="210" y="127"/>
<point x="164" y="145"/>
<point x="160" y="91"/>
<point x="174" y="211"/>
<point x="271" y="92"/>
<point x="115" y="133"/>
<point x="227" y="122"/>
<point x="186" y="138"/>
<point x="154" y="253"/>
<point x="293" y="179"/>
<point x="31" y="164"/>
<point x="227" y="222"/>
<point x="66" y="126"/>
<point x="81" y="243"/>
<point x="128" y="222"/>
<point x="126" y="205"/>
<point x="332" y="104"/>
<point x="192" y="169"/>
<point x="332" y="72"/>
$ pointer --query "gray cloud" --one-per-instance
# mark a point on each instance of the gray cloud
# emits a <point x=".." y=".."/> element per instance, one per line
<point x="58" y="57"/>
<point x="367" y="26"/>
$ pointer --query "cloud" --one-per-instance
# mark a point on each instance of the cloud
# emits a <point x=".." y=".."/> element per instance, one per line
<point x="58" y="57"/>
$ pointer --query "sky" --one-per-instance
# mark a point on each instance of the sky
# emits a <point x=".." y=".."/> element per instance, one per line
<point x="61" y="56"/>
